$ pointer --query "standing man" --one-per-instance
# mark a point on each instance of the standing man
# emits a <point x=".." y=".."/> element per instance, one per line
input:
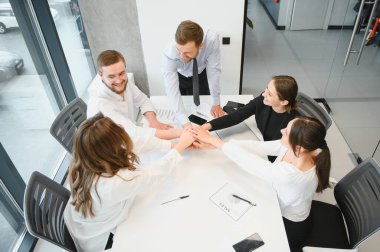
<point x="191" y="66"/>
<point x="114" y="93"/>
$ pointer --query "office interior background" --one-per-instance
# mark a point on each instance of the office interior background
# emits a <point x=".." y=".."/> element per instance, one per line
<point x="48" y="47"/>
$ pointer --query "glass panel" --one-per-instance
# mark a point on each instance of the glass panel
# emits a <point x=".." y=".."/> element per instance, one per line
<point x="312" y="48"/>
<point x="356" y="80"/>
<point x="27" y="110"/>
<point x="353" y="90"/>
<point x="8" y="236"/>
<point x="69" y="24"/>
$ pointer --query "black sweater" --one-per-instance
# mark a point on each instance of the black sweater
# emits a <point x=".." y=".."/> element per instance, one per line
<point x="268" y="121"/>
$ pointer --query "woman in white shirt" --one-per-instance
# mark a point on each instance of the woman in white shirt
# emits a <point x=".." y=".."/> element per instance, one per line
<point x="105" y="177"/>
<point x="302" y="168"/>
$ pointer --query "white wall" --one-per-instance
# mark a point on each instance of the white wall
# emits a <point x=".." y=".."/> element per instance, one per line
<point x="158" y="21"/>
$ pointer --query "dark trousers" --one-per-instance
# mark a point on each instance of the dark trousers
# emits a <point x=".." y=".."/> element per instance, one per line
<point x="186" y="84"/>
<point x="297" y="232"/>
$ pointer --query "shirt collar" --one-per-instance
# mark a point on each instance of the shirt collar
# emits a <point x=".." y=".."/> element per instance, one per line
<point x="104" y="90"/>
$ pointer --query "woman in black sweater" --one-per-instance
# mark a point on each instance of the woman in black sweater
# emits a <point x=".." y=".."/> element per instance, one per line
<point x="273" y="109"/>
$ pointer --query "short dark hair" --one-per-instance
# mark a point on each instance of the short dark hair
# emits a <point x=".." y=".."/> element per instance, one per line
<point x="189" y="31"/>
<point x="287" y="89"/>
<point x="109" y="57"/>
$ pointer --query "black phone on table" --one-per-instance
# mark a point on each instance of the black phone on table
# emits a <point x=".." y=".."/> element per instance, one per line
<point x="235" y="105"/>
<point x="232" y="106"/>
<point x="249" y="244"/>
<point x="197" y="120"/>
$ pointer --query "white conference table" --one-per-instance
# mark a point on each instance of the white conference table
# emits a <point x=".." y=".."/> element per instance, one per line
<point x="196" y="223"/>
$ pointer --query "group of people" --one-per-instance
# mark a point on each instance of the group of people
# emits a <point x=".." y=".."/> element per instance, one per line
<point x="105" y="174"/>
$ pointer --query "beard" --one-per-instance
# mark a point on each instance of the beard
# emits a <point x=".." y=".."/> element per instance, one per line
<point x="117" y="91"/>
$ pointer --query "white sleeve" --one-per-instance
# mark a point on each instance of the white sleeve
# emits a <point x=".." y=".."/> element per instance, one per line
<point x="129" y="126"/>
<point x="143" y="138"/>
<point x="251" y="162"/>
<point x="172" y="89"/>
<point x="128" y="184"/>
<point x="213" y="69"/>
<point x="145" y="143"/>
<point x="140" y="100"/>
<point x="260" y="148"/>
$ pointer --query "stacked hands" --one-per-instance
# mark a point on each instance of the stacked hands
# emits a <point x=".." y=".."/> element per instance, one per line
<point x="197" y="137"/>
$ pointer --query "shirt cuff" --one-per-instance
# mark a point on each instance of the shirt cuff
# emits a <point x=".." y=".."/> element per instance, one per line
<point x="174" y="155"/>
<point x="216" y="100"/>
<point x="166" y="145"/>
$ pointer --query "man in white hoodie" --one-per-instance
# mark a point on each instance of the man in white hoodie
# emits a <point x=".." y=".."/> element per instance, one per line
<point x="114" y="93"/>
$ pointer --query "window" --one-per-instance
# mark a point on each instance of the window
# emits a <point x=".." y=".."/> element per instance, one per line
<point x="36" y="80"/>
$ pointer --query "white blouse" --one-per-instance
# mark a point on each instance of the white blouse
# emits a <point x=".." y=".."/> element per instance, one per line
<point x="295" y="188"/>
<point x="112" y="200"/>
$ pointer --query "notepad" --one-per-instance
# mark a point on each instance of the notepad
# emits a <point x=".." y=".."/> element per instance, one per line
<point x="230" y="205"/>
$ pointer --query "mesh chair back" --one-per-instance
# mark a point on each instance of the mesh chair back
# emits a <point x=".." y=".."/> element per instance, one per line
<point x="67" y="121"/>
<point x="307" y="106"/>
<point x="358" y="196"/>
<point x="44" y="205"/>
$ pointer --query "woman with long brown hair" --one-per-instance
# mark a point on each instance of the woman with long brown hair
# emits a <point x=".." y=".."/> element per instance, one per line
<point x="105" y="177"/>
<point x="273" y="109"/>
<point x="302" y="167"/>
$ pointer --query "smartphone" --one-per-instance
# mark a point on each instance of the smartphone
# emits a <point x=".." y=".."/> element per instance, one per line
<point x="235" y="105"/>
<point x="232" y="106"/>
<point x="249" y="244"/>
<point x="197" y="120"/>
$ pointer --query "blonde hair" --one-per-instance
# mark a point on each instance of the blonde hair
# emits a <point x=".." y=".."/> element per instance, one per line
<point x="100" y="148"/>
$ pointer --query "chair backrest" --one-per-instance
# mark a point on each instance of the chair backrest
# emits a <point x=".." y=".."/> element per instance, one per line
<point x="307" y="106"/>
<point x="358" y="196"/>
<point x="44" y="205"/>
<point x="67" y="121"/>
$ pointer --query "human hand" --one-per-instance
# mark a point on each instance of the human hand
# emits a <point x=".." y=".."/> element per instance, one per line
<point x="159" y="125"/>
<point x="206" y="126"/>
<point x="187" y="126"/>
<point x="203" y="135"/>
<point x="217" y="111"/>
<point x="185" y="140"/>
<point x="202" y="145"/>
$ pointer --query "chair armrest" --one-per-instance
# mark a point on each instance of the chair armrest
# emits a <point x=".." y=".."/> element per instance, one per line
<point x="317" y="249"/>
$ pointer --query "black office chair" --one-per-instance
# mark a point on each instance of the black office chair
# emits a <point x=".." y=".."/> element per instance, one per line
<point x="358" y="198"/>
<point x="307" y="106"/>
<point x="67" y="121"/>
<point x="44" y="204"/>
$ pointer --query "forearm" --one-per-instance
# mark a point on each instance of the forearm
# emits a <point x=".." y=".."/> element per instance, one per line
<point x="168" y="134"/>
<point x="151" y="117"/>
<point x="226" y="121"/>
<point x="174" y="96"/>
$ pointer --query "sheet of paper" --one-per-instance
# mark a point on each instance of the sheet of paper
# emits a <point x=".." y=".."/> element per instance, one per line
<point x="233" y="207"/>
<point x="164" y="116"/>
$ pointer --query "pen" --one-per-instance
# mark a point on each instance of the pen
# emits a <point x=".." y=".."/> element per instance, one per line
<point x="240" y="198"/>
<point x="182" y="197"/>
